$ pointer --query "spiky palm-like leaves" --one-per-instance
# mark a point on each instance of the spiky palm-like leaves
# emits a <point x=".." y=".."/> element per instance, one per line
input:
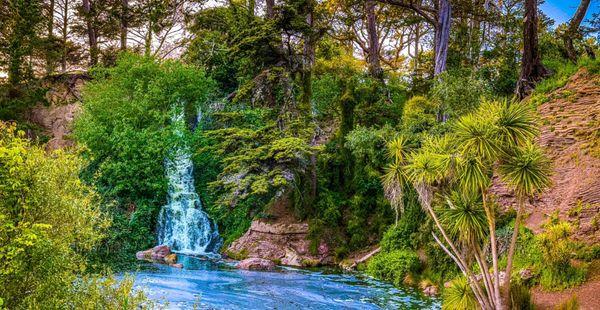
<point x="395" y="178"/>
<point x="526" y="171"/>
<point x="459" y="296"/>
<point x="516" y="123"/>
<point x="464" y="217"/>
<point x="477" y="135"/>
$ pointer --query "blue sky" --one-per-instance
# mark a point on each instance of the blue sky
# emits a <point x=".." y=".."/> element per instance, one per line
<point x="562" y="10"/>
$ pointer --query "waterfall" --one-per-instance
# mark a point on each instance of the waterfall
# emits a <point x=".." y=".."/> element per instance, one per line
<point x="182" y="224"/>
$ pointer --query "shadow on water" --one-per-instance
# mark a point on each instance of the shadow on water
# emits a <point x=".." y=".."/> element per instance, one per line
<point x="209" y="284"/>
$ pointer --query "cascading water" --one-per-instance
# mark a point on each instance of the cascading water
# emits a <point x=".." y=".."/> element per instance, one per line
<point x="182" y="224"/>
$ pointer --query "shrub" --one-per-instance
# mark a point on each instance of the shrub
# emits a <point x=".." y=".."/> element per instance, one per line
<point x="393" y="266"/>
<point x="569" y="304"/>
<point x="49" y="222"/>
<point x="419" y="114"/>
<point x="403" y="235"/>
<point x="520" y="297"/>
<point x="458" y="92"/>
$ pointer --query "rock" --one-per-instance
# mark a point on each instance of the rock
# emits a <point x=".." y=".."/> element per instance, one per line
<point x="159" y="254"/>
<point x="285" y="243"/>
<point x="431" y="290"/>
<point x="525" y="274"/>
<point x="256" y="264"/>
<point x="171" y="259"/>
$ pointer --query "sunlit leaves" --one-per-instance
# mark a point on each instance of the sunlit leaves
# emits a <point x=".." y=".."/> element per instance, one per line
<point x="527" y="170"/>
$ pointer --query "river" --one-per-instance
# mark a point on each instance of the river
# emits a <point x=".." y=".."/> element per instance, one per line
<point x="204" y="284"/>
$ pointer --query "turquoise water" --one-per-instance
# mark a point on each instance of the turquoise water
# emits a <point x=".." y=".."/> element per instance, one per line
<point x="218" y="285"/>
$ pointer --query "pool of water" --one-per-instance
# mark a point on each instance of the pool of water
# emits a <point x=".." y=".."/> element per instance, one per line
<point x="205" y="284"/>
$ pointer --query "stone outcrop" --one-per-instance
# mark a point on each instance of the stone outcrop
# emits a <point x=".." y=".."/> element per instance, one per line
<point x="570" y="136"/>
<point x="256" y="264"/>
<point x="62" y="105"/>
<point x="283" y="243"/>
<point x="159" y="254"/>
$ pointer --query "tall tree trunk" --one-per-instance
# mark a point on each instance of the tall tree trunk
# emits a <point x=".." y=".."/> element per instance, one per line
<point x="91" y="31"/>
<point x="442" y="35"/>
<point x="124" y="23"/>
<point x="511" y="250"/>
<point x="573" y="29"/>
<point x="532" y="70"/>
<point x="50" y="28"/>
<point x="417" y="42"/>
<point x="373" y="51"/>
<point x="270" y="10"/>
<point x="148" y="40"/>
<point x="65" y="34"/>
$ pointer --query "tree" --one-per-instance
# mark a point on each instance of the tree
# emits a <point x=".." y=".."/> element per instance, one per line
<point x="532" y="70"/>
<point x="453" y="173"/>
<point x="124" y="19"/>
<point x="88" y="11"/>
<point x="373" y="39"/>
<point x="440" y="17"/>
<point x="573" y="29"/>
<point x="64" y="13"/>
<point x="20" y="36"/>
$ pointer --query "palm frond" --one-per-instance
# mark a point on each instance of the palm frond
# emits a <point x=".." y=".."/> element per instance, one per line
<point x="516" y="124"/>
<point x="477" y="136"/>
<point x="527" y="171"/>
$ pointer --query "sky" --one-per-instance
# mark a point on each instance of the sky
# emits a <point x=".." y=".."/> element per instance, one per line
<point x="562" y="10"/>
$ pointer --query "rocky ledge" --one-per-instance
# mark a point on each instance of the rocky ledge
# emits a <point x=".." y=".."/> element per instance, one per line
<point x="159" y="254"/>
<point x="256" y="264"/>
<point x="281" y="243"/>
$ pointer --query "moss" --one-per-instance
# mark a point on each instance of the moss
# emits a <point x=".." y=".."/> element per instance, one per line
<point x="241" y="255"/>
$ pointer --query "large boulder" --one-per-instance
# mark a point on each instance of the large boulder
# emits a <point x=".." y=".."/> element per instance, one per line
<point x="159" y="254"/>
<point x="283" y="243"/>
<point x="256" y="264"/>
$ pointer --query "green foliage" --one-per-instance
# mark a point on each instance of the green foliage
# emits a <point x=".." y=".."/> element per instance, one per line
<point x="520" y="297"/>
<point x="570" y="304"/>
<point x="459" y="296"/>
<point x="15" y="101"/>
<point x="49" y="222"/>
<point x="125" y="126"/>
<point x="91" y="292"/>
<point x="556" y="249"/>
<point x="458" y="92"/>
<point x="420" y="114"/>
<point x="405" y="234"/>
<point x="393" y="266"/>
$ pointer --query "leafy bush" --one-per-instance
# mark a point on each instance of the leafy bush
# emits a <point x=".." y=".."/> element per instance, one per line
<point x="403" y="236"/>
<point x="393" y="266"/>
<point x="49" y="222"/>
<point x="459" y="92"/>
<point x="420" y="114"/>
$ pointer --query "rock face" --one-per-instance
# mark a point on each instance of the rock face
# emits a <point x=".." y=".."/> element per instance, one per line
<point x="570" y="137"/>
<point x="63" y="104"/>
<point x="284" y="243"/>
<point x="159" y="254"/>
<point x="256" y="264"/>
<point x="56" y="121"/>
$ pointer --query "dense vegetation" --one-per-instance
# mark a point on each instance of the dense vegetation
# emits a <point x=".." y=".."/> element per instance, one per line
<point x="377" y="122"/>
